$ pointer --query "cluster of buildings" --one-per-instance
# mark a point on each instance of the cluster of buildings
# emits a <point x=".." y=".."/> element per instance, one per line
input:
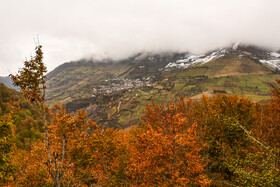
<point x="117" y="84"/>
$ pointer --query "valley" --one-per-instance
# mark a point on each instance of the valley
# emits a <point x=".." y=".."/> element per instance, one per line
<point x="114" y="93"/>
<point x="147" y="108"/>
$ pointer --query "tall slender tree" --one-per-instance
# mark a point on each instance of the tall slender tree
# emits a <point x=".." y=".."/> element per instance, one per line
<point x="31" y="79"/>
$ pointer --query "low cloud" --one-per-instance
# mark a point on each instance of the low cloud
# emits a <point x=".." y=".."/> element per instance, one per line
<point x="70" y="30"/>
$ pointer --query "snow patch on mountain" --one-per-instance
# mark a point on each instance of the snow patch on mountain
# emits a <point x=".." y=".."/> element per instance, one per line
<point x="273" y="60"/>
<point x="191" y="59"/>
<point x="271" y="63"/>
<point x="235" y="46"/>
<point x="277" y="55"/>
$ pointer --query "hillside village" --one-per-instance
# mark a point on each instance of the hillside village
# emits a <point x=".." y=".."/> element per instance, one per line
<point x="118" y="84"/>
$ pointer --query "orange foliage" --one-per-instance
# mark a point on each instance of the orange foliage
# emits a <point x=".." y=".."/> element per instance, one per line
<point x="165" y="150"/>
<point x="82" y="153"/>
<point x="31" y="166"/>
<point x="66" y="132"/>
<point x="188" y="143"/>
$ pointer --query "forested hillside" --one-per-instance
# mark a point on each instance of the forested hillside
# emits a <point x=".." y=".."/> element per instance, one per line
<point x="20" y="127"/>
<point x="26" y="117"/>
<point x="224" y="141"/>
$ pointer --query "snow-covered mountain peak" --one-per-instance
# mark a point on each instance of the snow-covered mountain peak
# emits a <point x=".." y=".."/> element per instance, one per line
<point x="271" y="59"/>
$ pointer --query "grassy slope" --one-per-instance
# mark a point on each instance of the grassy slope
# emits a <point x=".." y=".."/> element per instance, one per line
<point x="78" y="82"/>
<point x="229" y="75"/>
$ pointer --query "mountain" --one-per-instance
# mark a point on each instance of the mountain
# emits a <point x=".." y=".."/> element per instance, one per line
<point x="114" y="93"/>
<point x="7" y="81"/>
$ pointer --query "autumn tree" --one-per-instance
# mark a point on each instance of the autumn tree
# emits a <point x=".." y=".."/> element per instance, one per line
<point x="100" y="157"/>
<point x="268" y="115"/>
<point x="165" y="150"/>
<point x="31" y="167"/>
<point x="261" y="166"/>
<point x="223" y="119"/>
<point x="31" y="80"/>
<point x="236" y="154"/>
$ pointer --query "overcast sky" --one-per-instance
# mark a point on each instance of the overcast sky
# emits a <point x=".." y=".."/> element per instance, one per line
<point x="73" y="29"/>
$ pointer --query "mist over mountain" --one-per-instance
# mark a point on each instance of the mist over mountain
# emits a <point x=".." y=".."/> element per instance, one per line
<point x="115" y="92"/>
<point x="123" y="28"/>
<point x="168" y="59"/>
